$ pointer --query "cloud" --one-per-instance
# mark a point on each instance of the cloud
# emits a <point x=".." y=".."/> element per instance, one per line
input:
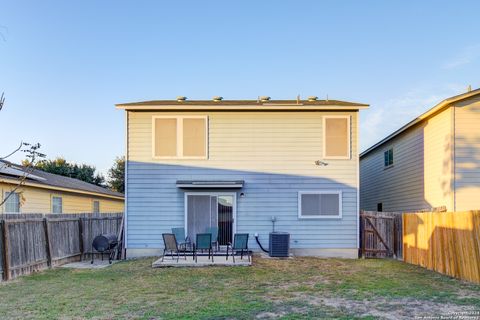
<point x="464" y="57"/>
<point x="387" y="116"/>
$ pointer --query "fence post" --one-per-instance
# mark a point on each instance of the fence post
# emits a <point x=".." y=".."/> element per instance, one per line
<point x="48" y="246"/>
<point x="80" y="236"/>
<point x="6" y="254"/>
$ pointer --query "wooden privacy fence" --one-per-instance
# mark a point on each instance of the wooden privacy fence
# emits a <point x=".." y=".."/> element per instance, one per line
<point x="32" y="242"/>
<point x="380" y="234"/>
<point x="447" y="242"/>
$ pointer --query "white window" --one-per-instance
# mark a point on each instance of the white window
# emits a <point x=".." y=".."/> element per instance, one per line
<point x="179" y="137"/>
<point x="57" y="204"/>
<point x="336" y="137"/>
<point x="12" y="205"/>
<point x="320" y="204"/>
<point x="96" y="206"/>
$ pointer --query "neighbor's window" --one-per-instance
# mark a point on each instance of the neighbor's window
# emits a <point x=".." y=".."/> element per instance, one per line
<point x="180" y="137"/>
<point x="12" y="205"/>
<point x="57" y="205"/>
<point x="319" y="204"/>
<point x="388" y="157"/>
<point x="336" y="137"/>
<point x="96" y="206"/>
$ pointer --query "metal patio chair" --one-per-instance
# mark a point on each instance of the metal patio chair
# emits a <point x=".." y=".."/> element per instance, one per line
<point x="170" y="245"/>
<point x="240" y="244"/>
<point x="183" y="242"/>
<point x="204" y="242"/>
<point x="214" y="232"/>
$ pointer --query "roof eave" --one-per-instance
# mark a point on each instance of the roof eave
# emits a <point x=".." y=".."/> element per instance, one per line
<point x="239" y="107"/>
<point x="440" y="106"/>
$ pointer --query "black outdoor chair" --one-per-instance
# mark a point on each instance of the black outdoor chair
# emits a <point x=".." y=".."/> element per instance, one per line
<point x="204" y="242"/>
<point x="171" y="246"/>
<point x="240" y="244"/>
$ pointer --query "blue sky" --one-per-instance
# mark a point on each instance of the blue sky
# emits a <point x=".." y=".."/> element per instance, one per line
<point x="64" y="64"/>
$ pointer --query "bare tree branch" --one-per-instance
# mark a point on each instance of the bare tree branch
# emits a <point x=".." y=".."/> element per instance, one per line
<point x="2" y="100"/>
<point x="33" y="155"/>
<point x="13" y="152"/>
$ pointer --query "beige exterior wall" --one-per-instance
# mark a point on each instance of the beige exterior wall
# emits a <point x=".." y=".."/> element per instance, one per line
<point x="467" y="154"/>
<point x="421" y="176"/>
<point x="266" y="142"/>
<point x="39" y="200"/>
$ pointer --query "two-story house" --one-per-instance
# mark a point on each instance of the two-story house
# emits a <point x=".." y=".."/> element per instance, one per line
<point x="433" y="161"/>
<point x="238" y="165"/>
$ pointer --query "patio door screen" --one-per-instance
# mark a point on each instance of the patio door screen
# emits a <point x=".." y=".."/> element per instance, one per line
<point x="210" y="210"/>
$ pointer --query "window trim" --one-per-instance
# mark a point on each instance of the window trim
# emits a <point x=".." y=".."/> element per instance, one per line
<point x="5" y="204"/>
<point x="61" y="199"/>
<point x="180" y="136"/>
<point x="93" y="206"/>
<point x="349" y="135"/>
<point x="340" y="203"/>
<point x="390" y="165"/>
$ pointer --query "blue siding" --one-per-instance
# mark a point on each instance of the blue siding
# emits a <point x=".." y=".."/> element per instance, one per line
<point x="155" y="205"/>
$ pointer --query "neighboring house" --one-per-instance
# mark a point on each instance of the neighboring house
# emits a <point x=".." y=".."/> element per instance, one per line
<point x="44" y="192"/>
<point x="433" y="161"/>
<point x="237" y="164"/>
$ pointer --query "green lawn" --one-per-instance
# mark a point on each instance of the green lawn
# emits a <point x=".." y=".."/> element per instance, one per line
<point x="287" y="289"/>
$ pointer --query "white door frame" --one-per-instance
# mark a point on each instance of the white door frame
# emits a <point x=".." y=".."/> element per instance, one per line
<point x="234" y="205"/>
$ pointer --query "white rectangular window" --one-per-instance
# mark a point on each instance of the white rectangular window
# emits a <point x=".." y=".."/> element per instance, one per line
<point x="12" y="205"/>
<point x="57" y="205"/>
<point x="96" y="206"/>
<point x="180" y="137"/>
<point x="320" y="204"/>
<point x="336" y="137"/>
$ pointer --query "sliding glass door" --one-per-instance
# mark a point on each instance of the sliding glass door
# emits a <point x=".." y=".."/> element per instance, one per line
<point x="205" y="210"/>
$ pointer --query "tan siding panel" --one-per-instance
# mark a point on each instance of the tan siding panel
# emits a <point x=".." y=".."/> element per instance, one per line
<point x="467" y="154"/>
<point x="38" y="200"/>
<point x="280" y="142"/>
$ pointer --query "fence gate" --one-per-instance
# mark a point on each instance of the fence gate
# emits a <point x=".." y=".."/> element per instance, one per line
<point x="380" y="234"/>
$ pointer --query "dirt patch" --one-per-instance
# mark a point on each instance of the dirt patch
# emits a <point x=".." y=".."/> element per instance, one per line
<point x="404" y="308"/>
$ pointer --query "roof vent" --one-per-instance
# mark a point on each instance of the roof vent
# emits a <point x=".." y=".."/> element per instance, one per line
<point x="181" y="99"/>
<point x="312" y="98"/>
<point x="264" y="98"/>
<point x="217" y="98"/>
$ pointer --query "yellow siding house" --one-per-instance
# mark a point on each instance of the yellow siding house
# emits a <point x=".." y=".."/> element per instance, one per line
<point x="431" y="162"/>
<point x="44" y="192"/>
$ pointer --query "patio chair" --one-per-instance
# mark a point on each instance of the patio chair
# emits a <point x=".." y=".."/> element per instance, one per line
<point x="240" y="244"/>
<point x="182" y="241"/>
<point x="204" y="242"/>
<point x="170" y="245"/>
<point x="214" y="232"/>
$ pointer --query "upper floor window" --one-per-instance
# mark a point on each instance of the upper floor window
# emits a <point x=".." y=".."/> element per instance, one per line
<point x="336" y="137"/>
<point x="388" y="157"/>
<point x="180" y="137"/>
<point x="57" y="204"/>
<point x="96" y="206"/>
<point x="12" y="205"/>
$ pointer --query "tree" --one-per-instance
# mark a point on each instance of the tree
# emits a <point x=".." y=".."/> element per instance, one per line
<point x="31" y="150"/>
<point x="62" y="167"/>
<point x="116" y="175"/>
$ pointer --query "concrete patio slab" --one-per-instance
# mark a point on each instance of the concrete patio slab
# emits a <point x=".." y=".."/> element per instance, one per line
<point x="202" y="261"/>
<point x="97" y="264"/>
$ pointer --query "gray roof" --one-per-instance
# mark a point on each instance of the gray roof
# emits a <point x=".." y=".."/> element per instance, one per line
<point x="12" y="171"/>
<point x="237" y="103"/>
